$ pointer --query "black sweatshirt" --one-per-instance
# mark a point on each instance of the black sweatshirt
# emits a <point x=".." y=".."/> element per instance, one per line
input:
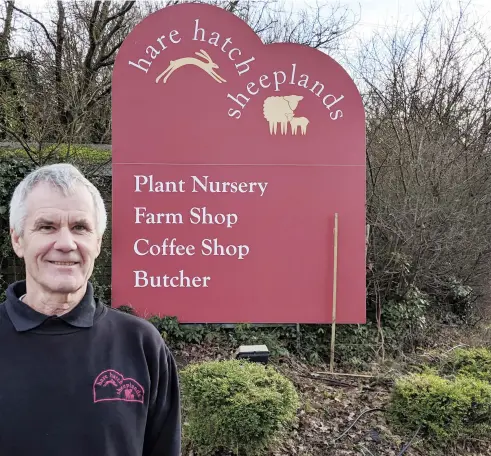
<point x="93" y="382"/>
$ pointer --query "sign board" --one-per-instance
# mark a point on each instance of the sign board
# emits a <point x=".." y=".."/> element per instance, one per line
<point x="230" y="160"/>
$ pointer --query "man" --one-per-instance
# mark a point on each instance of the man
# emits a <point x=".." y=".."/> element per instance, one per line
<point x="77" y="377"/>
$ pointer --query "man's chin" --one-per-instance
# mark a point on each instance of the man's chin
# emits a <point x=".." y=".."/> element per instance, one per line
<point x="66" y="286"/>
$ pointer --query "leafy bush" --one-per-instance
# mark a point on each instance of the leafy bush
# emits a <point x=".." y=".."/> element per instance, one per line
<point x="472" y="362"/>
<point x="444" y="410"/>
<point x="235" y="406"/>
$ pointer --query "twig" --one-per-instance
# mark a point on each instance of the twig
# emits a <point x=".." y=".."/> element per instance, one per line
<point x="362" y="448"/>
<point x="347" y="375"/>
<point x="454" y="348"/>
<point x="406" y="447"/>
<point x="354" y="422"/>
<point x="327" y="380"/>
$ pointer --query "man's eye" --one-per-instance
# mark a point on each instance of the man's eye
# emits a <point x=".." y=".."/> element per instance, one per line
<point x="45" y="227"/>
<point x="79" y="227"/>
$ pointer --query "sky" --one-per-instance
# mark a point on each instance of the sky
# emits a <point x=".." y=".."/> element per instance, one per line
<point x="373" y="13"/>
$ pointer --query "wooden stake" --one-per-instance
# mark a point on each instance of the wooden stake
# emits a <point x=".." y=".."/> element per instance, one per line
<point x="334" y="290"/>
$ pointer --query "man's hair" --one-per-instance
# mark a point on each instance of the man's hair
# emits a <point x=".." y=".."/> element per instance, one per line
<point x="62" y="176"/>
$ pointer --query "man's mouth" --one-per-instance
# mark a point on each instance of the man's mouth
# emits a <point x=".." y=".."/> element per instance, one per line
<point x="64" y="263"/>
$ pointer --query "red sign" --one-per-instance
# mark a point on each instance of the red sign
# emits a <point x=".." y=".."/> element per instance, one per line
<point x="230" y="160"/>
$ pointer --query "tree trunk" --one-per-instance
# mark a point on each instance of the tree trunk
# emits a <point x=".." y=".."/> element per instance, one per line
<point x="5" y="35"/>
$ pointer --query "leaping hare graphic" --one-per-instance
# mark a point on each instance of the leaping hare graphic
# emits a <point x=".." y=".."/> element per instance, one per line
<point x="206" y="66"/>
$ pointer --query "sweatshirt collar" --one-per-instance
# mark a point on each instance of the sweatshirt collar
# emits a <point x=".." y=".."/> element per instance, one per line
<point x="25" y="318"/>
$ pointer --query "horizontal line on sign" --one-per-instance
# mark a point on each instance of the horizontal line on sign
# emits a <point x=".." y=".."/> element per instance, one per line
<point x="234" y="164"/>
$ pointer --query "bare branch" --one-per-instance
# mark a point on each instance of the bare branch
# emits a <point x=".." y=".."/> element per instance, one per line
<point x="38" y="22"/>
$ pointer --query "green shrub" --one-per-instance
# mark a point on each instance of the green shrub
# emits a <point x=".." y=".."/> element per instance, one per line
<point x="447" y="410"/>
<point x="472" y="362"/>
<point x="235" y="406"/>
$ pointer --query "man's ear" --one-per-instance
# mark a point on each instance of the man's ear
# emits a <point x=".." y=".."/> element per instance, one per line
<point x="17" y="243"/>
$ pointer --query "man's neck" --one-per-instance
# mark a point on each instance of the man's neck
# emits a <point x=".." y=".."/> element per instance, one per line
<point x="51" y="303"/>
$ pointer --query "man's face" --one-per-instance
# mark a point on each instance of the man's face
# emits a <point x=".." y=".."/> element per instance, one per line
<point x="60" y="242"/>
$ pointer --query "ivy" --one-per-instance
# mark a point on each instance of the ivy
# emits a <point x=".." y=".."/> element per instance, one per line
<point x="12" y="171"/>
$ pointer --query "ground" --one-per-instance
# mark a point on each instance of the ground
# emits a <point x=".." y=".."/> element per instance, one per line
<point x="342" y="414"/>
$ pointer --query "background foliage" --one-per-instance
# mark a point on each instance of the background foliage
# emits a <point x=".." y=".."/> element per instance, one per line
<point x="426" y="90"/>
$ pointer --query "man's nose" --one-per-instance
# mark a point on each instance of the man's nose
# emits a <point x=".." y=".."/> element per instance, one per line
<point x="65" y="240"/>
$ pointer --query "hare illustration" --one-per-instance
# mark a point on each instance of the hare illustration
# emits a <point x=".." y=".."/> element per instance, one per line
<point x="206" y="66"/>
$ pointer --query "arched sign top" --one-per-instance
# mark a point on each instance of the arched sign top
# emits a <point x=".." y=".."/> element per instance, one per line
<point x="203" y="70"/>
<point x="230" y="159"/>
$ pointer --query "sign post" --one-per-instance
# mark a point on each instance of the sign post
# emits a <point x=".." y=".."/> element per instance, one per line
<point x="230" y="158"/>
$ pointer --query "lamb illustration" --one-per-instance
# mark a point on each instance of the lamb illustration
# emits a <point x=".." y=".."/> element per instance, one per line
<point x="205" y="66"/>
<point x="301" y="122"/>
<point x="277" y="109"/>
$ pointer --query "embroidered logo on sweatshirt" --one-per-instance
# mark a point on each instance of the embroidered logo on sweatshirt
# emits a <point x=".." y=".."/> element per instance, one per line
<point x="110" y="385"/>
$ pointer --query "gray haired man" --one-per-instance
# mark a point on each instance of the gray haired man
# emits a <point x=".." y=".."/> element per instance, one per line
<point x="77" y="377"/>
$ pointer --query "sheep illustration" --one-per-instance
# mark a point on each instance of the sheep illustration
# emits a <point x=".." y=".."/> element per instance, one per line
<point x="128" y="394"/>
<point x="301" y="122"/>
<point x="277" y="109"/>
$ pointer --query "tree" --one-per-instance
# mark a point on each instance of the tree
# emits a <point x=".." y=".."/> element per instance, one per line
<point x="427" y="96"/>
<point x="69" y="74"/>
